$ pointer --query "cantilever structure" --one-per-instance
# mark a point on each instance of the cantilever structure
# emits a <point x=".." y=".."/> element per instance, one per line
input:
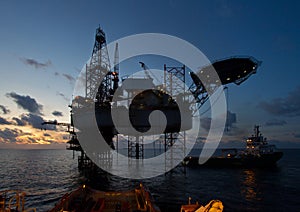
<point x="232" y="70"/>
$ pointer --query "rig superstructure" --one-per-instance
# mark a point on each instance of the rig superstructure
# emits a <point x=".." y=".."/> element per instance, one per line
<point x="102" y="82"/>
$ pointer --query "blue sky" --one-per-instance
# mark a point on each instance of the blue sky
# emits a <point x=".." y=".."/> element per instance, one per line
<point x="44" y="45"/>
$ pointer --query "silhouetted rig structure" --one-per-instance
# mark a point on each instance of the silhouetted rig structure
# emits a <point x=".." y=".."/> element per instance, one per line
<point x="101" y="92"/>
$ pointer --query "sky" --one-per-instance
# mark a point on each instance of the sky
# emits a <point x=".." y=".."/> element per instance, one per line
<point x="44" y="46"/>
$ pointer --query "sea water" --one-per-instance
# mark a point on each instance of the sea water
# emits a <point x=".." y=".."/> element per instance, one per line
<point x="46" y="175"/>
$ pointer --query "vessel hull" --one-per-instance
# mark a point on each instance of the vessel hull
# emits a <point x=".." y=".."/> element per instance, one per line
<point x="266" y="160"/>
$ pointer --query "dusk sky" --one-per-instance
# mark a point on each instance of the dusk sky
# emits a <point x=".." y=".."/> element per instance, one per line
<point x="45" y="44"/>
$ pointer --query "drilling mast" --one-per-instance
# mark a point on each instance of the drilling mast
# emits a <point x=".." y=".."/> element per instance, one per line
<point x="97" y="70"/>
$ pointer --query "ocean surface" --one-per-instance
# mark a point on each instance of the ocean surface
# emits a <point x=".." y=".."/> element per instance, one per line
<point x="46" y="175"/>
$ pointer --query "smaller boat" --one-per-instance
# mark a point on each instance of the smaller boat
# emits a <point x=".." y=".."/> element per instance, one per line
<point x="86" y="199"/>
<point x="13" y="201"/>
<point x="258" y="153"/>
<point x="212" y="206"/>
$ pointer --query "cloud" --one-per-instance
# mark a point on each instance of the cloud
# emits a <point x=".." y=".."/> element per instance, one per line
<point x="35" y="121"/>
<point x="297" y="135"/>
<point x="288" y="106"/>
<point x="230" y="120"/>
<point x="63" y="96"/>
<point x="26" y="102"/>
<point x="4" y="109"/>
<point x="69" y="77"/>
<point x="236" y="132"/>
<point x="285" y="144"/>
<point x="18" y="121"/>
<point x="18" y="136"/>
<point x="4" y="121"/>
<point x="9" y="135"/>
<point x="32" y="140"/>
<point x="57" y="113"/>
<point x="28" y="131"/>
<point x="36" y="64"/>
<point x="275" y="122"/>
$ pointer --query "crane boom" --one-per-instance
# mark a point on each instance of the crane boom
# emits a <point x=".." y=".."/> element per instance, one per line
<point x="70" y="128"/>
<point x="148" y="74"/>
<point x="56" y="123"/>
<point x="116" y="59"/>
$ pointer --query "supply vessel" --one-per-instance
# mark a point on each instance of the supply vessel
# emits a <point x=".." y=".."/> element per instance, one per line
<point x="258" y="153"/>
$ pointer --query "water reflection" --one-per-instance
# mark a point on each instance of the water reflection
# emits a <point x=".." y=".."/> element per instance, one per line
<point x="250" y="188"/>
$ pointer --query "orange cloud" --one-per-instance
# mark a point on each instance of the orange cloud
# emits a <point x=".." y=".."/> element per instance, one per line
<point x="12" y="134"/>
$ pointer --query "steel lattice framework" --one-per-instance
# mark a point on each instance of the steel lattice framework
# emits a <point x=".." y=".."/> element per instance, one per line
<point x="174" y="84"/>
<point x="98" y="79"/>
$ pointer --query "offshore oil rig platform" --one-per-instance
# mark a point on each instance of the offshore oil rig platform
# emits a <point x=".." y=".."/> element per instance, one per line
<point x="101" y="96"/>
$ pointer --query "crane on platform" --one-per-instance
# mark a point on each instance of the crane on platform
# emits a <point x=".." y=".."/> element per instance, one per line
<point x="73" y="142"/>
<point x="148" y="73"/>
<point x="70" y="128"/>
